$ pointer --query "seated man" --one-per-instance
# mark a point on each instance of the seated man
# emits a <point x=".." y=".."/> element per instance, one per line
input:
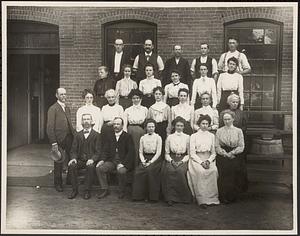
<point x="85" y="153"/>
<point x="118" y="154"/>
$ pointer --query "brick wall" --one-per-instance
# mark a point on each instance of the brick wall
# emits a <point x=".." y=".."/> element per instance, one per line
<point x="80" y="32"/>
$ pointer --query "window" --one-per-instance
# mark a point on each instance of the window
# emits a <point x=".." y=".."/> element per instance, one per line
<point x="260" y="41"/>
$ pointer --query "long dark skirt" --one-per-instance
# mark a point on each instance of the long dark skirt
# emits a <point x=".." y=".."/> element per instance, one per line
<point x="223" y="101"/>
<point x="100" y="101"/>
<point x="198" y="103"/>
<point x="136" y="133"/>
<point x="106" y="130"/>
<point x="174" y="183"/>
<point x="146" y="183"/>
<point x="230" y="179"/>
<point x="148" y="101"/>
<point x="125" y="102"/>
<point x="172" y="101"/>
<point x="161" y="129"/>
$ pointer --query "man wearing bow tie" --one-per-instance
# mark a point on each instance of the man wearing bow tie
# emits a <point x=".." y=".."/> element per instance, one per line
<point x="85" y="153"/>
<point x="60" y="132"/>
<point x="148" y="56"/>
<point x="118" y="155"/>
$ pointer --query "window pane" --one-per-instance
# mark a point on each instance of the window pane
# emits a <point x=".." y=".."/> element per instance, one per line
<point x="268" y="83"/>
<point x="253" y="51"/>
<point x="258" y="35"/>
<point x="257" y="66"/>
<point x="268" y="100"/>
<point x="256" y="99"/>
<point x="270" y="52"/>
<point x="247" y="82"/>
<point x="270" y="67"/>
<point x="256" y="84"/>
<point x="246" y="99"/>
<point x="270" y="36"/>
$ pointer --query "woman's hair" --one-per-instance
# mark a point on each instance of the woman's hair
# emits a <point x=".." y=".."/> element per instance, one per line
<point x="105" y="68"/>
<point x="233" y="59"/>
<point x="149" y="121"/>
<point x="178" y="119"/>
<point x="86" y="91"/>
<point x="227" y="111"/>
<point x="183" y="90"/>
<point x="205" y="93"/>
<point x="204" y="117"/>
<point x="135" y="92"/>
<point x="175" y="71"/>
<point x="110" y="92"/>
<point x="126" y="66"/>
<point x="148" y="64"/>
<point x="158" y="88"/>
<point x="232" y="97"/>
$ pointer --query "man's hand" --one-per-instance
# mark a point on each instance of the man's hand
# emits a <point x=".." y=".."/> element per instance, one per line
<point x="100" y="163"/>
<point x="90" y="162"/>
<point x="241" y="107"/>
<point x="72" y="161"/>
<point x="55" y="147"/>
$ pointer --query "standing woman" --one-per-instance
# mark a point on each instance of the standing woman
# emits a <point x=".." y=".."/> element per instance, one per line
<point x="202" y="170"/>
<point x="103" y="84"/>
<point x="161" y="113"/>
<point x="124" y="86"/>
<point x="147" y="85"/>
<point x="110" y="112"/>
<point x="184" y="110"/>
<point x="229" y="147"/>
<point x="174" y="181"/>
<point x="146" y="183"/>
<point x="134" y="118"/>
<point x="89" y="108"/>
<point x="228" y="83"/>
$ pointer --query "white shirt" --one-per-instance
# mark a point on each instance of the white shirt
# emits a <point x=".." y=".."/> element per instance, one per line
<point x="87" y="134"/>
<point x="228" y="81"/>
<point x="109" y="113"/>
<point x="97" y="119"/>
<point x="213" y="114"/>
<point x="171" y="90"/>
<point x="147" y="85"/>
<point x="203" y="60"/>
<point x="118" y="57"/>
<point x="118" y="135"/>
<point x="177" y="60"/>
<point x="136" y="114"/>
<point x="159" y="61"/>
<point x="184" y="110"/>
<point x="204" y="84"/>
<point x="63" y="105"/>
<point x="243" y="61"/>
<point x="124" y="87"/>
<point x="177" y="143"/>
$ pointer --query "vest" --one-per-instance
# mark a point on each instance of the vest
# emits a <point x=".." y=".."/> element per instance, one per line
<point x="208" y="64"/>
<point x="141" y="66"/>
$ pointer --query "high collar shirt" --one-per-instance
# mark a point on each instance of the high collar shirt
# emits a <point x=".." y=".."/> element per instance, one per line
<point x="118" y="57"/>
<point x="147" y="85"/>
<point x="109" y="113"/>
<point x="171" y="90"/>
<point x="124" y="87"/>
<point x="184" y="110"/>
<point x="96" y="113"/>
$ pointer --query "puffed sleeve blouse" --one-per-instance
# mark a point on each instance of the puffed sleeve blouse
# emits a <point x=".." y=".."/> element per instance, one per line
<point x="177" y="143"/>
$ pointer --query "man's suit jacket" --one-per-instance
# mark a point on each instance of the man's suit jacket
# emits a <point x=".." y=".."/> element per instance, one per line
<point x="92" y="150"/>
<point x="59" y="123"/>
<point x="125" y="59"/>
<point x="183" y="67"/>
<point x="125" y="147"/>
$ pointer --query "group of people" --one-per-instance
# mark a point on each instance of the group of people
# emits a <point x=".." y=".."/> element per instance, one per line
<point x="177" y="129"/>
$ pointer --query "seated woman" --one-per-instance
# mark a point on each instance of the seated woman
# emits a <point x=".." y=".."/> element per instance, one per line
<point x="146" y="183"/>
<point x="228" y="83"/>
<point x="184" y="110"/>
<point x="147" y="85"/>
<point x="171" y="90"/>
<point x="134" y="118"/>
<point x="202" y="171"/>
<point x="174" y="182"/>
<point x="124" y="86"/>
<point x="110" y="112"/>
<point x="89" y="108"/>
<point x="206" y="110"/>
<point x="229" y="147"/>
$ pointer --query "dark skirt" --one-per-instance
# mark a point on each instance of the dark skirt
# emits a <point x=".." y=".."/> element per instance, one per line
<point x="198" y="103"/>
<point x="106" y="130"/>
<point x="223" y="101"/>
<point x="125" y="102"/>
<point x="172" y="101"/>
<point x="136" y="132"/>
<point x="146" y="183"/>
<point x="161" y="129"/>
<point x="231" y="179"/>
<point x="148" y="101"/>
<point x="100" y="101"/>
<point x="174" y="182"/>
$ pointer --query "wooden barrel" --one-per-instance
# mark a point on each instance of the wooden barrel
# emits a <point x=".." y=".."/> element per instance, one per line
<point x="262" y="146"/>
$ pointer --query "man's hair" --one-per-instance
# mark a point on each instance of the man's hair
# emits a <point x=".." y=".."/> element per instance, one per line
<point x="105" y="68"/>
<point x="204" y="44"/>
<point x="87" y="114"/>
<point x="233" y="37"/>
<point x="119" y="118"/>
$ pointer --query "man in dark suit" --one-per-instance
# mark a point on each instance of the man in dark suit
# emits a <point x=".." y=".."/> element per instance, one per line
<point x="177" y="62"/>
<point x="118" y="154"/>
<point x="118" y="59"/>
<point x="85" y="152"/>
<point x="60" y="132"/>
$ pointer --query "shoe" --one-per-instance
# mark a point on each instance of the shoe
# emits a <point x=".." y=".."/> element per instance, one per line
<point x="170" y="203"/>
<point x="203" y="206"/>
<point x="121" y="195"/>
<point x="103" y="193"/>
<point x="59" y="188"/>
<point x="73" y="194"/>
<point x="87" y="195"/>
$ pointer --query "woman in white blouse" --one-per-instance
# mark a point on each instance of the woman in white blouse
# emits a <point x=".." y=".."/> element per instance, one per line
<point x="124" y="86"/>
<point x="184" y="110"/>
<point x="110" y="111"/>
<point x="228" y="83"/>
<point x="134" y="118"/>
<point x="229" y="147"/>
<point x="89" y="108"/>
<point x="146" y="183"/>
<point x="174" y="182"/>
<point x="202" y="171"/>
<point x="147" y="85"/>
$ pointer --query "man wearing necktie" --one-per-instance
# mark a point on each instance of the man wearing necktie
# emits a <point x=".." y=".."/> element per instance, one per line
<point x="85" y="153"/>
<point x="146" y="57"/>
<point x="60" y="132"/>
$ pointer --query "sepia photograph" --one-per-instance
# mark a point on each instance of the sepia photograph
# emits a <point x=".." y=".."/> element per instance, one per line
<point x="149" y="118"/>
